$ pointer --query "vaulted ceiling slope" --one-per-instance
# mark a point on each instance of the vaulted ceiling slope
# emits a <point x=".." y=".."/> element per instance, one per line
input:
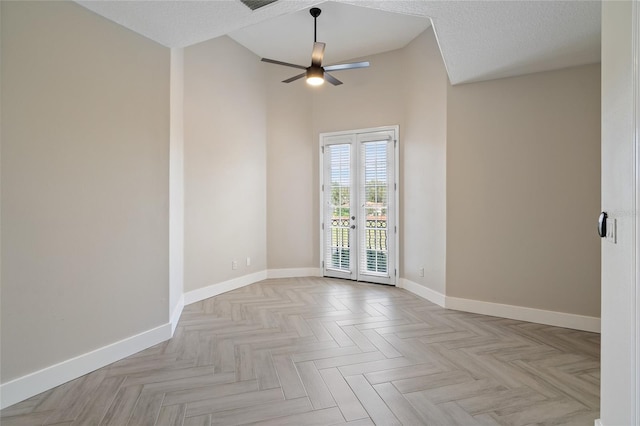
<point x="479" y="40"/>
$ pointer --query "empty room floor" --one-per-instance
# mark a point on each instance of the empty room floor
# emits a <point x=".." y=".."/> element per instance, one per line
<point x="318" y="351"/>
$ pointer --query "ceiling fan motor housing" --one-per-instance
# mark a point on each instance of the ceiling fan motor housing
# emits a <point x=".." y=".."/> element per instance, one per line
<point x="315" y="72"/>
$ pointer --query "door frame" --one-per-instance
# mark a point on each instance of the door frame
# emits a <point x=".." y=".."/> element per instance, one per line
<point x="635" y="29"/>
<point x="396" y="208"/>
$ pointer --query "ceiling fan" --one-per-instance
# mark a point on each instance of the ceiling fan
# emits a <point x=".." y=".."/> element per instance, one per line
<point x="316" y="74"/>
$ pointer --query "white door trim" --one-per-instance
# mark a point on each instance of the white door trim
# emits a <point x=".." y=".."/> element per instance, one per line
<point x="635" y="28"/>
<point x="396" y="150"/>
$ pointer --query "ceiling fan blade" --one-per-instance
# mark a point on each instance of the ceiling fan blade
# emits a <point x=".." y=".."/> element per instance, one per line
<point x="331" y="79"/>
<point x="294" y="78"/>
<point x="317" y="54"/>
<point x="286" y="64"/>
<point x="347" y="66"/>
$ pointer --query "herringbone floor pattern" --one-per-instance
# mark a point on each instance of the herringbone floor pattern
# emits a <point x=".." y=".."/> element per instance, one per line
<point x="315" y="351"/>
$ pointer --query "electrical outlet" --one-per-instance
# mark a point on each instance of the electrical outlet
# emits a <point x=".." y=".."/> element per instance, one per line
<point x="248" y="261"/>
<point x="234" y="265"/>
<point x="421" y="272"/>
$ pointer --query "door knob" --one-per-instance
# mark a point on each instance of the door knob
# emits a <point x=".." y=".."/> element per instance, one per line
<point x="353" y="227"/>
<point x="602" y="225"/>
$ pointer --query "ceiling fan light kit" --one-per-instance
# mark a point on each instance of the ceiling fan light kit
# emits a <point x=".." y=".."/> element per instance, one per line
<point x="316" y="74"/>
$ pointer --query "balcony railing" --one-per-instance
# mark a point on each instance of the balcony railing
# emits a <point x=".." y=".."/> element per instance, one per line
<point x="375" y="241"/>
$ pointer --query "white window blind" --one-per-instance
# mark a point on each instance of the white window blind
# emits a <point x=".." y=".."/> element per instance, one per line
<point x="375" y="192"/>
<point x="337" y="197"/>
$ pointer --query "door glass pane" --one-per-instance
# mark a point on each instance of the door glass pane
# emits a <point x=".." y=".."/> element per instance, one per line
<point x="375" y="202"/>
<point x="339" y="244"/>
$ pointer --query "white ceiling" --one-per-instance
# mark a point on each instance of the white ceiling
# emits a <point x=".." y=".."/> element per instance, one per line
<point x="479" y="40"/>
<point x="349" y="32"/>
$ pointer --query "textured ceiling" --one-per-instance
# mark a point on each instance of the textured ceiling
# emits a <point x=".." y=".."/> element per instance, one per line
<point x="348" y="31"/>
<point x="479" y="40"/>
<point x="180" y="23"/>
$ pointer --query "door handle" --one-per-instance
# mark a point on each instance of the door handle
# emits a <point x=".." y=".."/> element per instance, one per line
<point x="602" y="225"/>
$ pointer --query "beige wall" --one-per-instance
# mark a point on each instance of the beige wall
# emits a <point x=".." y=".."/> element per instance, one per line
<point x="365" y="100"/>
<point x="290" y="182"/>
<point x="523" y="191"/>
<point x="85" y="160"/>
<point x="405" y="87"/>
<point x="298" y="113"/>
<point x="620" y="365"/>
<point x="176" y="182"/>
<point x="369" y="97"/>
<point x="423" y="164"/>
<point x="225" y="162"/>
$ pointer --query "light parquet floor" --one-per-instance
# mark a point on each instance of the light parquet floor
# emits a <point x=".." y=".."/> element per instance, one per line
<point x="316" y="351"/>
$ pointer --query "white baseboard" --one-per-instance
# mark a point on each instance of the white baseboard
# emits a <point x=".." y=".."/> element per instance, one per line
<point x="422" y="291"/>
<point x="175" y="315"/>
<point x="539" y="316"/>
<point x="294" y="273"/>
<point x="219" y="288"/>
<point x="34" y="383"/>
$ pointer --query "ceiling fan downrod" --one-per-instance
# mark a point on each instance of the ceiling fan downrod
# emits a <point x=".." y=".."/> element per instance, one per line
<point x="315" y="12"/>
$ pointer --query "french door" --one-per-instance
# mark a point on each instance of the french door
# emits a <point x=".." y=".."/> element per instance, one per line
<point x="359" y="200"/>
